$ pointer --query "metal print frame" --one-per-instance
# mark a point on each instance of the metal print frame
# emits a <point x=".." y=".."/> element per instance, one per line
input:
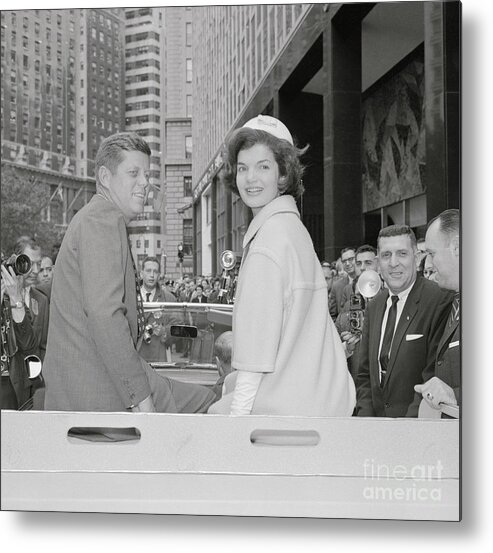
<point x="318" y="67"/>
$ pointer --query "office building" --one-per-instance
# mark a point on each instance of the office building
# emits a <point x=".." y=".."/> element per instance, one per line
<point x="373" y="88"/>
<point x="62" y="93"/>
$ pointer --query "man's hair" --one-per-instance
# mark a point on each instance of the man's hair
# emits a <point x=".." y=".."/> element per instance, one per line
<point x="366" y="248"/>
<point x="223" y="347"/>
<point x="449" y="222"/>
<point x="397" y="230"/>
<point x="286" y="155"/>
<point x="110" y="151"/>
<point x="347" y="249"/>
<point x="152" y="259"/>
<point x="199" y="286"/>
<point x="23" y="243"/>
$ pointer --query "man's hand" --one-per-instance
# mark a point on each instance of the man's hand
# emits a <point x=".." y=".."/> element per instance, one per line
<point x="145" y="406"/>
<point x="435" y="391"/>
<point x="11" y="284"/>
<point x="350" y="340"/>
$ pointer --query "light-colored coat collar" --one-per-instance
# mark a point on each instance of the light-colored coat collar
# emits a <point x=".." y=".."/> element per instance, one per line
<point x="281" y="204"/>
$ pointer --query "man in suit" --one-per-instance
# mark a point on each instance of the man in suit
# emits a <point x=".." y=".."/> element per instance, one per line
<point x="401" y="332"/>
<point x="443" y="246"/>
<point x="335" y="296"/>
<point x="150" y="289"/>
<point x="157" y="340"/>
<point x="97" y="320"/>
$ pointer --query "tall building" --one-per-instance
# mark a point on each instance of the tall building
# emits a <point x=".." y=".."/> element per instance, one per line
<point x="144" y="114"/>
<point x="177" y="162"/>
<point x="61" y="93"/>
<point x="373" y="88"/>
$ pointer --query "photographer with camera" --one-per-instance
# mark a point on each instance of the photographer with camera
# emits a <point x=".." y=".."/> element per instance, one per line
<point x="349" y="322"/>
<point x="36" y="300"/>
<point x="17" y="335"/>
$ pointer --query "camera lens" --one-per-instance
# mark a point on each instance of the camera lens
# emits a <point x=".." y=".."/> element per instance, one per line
<point x="22" y="264"/>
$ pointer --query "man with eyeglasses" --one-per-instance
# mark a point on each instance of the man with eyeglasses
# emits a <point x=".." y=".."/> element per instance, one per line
<point x="335" y="297"/>
<point x="97" y="318"/>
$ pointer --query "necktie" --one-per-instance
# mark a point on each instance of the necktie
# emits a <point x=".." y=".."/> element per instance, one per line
<point x="455" y="311"/>
<point x="140" y="307"/>
<point x="387" y="339"/>
<point x="148" y="296"/>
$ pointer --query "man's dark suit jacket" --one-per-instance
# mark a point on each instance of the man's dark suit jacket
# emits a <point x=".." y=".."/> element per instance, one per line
<point x="448" y="364"/>
<point x="413" y="353"/>
<point x="335" y="296"/>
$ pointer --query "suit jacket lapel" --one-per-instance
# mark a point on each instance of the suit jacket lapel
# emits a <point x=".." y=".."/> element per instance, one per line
<point x="380" y="304"/>
<point x="407" y="315"/>
<point x="445" y="339"/>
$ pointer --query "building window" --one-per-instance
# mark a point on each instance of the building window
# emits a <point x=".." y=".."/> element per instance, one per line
<point x="189" y="106"/>
<point x="146" y="244"/>
<point x="189" y="70"/>
<point x="137" y="243"/>
<point x="188" y="147"/>
<point x="187" y="236"/>
<point x="187" y="186"/>
<point x="189" y="34"/>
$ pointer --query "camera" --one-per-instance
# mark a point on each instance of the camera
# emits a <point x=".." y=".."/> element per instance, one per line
<point x="356" y="313"/>
<point x="148" y="332"/>
<point x="20" y="263"/>
<point x="230" y="262"/>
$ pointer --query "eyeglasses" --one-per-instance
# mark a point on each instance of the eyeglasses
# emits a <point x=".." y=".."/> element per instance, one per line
<point x="348" y="260"/>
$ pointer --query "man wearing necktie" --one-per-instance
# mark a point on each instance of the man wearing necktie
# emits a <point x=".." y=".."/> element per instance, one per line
<point x="443" y="246"/>
<point x="150" y="289"/>
<point x="96" y="318"/>
<point x="402" y="328"/>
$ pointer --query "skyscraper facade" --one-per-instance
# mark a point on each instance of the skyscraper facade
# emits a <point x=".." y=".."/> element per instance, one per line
<point x="144" y="108"/>
<point x="62" y="92"/>
<point x="179" y="68"/>
<point x="372" y="88"/>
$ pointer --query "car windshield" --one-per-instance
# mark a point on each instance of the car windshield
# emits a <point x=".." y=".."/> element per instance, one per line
<point x="179" y="339"/>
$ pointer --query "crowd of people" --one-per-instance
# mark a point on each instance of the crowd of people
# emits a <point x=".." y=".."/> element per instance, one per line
<point x="305" y="339"/>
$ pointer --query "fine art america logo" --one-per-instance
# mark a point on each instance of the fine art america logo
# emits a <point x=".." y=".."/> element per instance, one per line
<point x="400" y="483"/>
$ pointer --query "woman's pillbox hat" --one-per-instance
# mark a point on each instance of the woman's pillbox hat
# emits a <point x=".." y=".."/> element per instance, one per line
<point x="271" y="125"/>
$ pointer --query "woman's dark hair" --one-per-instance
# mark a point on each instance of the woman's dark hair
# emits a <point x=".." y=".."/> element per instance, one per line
<point x="286" y="155"/>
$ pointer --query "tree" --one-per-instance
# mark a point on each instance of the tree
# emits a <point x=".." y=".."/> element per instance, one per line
<point x="23" y="203"/>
